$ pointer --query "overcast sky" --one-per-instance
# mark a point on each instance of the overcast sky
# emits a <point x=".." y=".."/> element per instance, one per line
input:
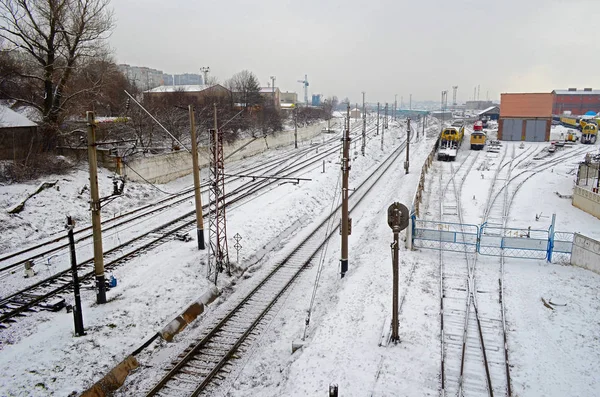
<point x="383" y="47"/>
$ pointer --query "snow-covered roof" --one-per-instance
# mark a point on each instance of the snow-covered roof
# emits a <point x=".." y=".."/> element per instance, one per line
<point x="268" y="90"/>
<point x="578" y="92"/>
<point x="488" y="109"/>
<point x="10" y="118"/>
<point x="182" y="88"/>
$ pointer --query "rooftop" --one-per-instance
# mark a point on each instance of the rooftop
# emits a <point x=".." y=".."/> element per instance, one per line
<point x="181" y="88"/>
<point x="488" y="109"/>
<point x="10" y="118"/>
<point x="576" y="92"/>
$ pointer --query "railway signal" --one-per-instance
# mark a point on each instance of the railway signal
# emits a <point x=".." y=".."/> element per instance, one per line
<point x="398" y="216"/>
<point x="77" y="313"/>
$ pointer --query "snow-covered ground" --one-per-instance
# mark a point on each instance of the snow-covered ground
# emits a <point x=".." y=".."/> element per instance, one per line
<point x="552" y="352"/>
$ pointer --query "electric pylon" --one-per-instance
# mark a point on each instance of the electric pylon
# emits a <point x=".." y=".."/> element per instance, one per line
<point x="219" y="255"/>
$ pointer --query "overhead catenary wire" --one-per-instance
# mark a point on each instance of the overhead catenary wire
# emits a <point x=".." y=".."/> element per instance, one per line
<point x="157" y="122"/>
<point x="321" y="262"/>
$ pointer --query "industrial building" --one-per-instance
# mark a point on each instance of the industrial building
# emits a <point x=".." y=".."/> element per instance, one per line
<point x="288" y="97"/>
<point x="576" y="102"/>
<point x="525" y="117"/>
<point x="271" y="94"/>
<point x="199" y="94"/>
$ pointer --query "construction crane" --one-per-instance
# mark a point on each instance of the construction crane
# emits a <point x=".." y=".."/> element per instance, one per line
<point x="305" y="85"/>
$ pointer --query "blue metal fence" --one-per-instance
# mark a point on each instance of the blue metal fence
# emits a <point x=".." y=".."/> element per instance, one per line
<point x="446" y="236"/>
<point x="493" y="240"/>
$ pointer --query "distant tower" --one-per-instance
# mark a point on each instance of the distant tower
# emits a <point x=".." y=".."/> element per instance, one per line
<point x="205" y="70"/>
<point x="305" y="85"/>
<point x="454" y="89"/>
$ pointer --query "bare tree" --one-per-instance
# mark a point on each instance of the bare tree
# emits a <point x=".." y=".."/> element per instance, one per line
<point x="55" y="37"/>
<point x="245" y="88"/>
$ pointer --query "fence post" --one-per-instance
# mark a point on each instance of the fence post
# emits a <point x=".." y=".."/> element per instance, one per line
<point x="551" y="239"/>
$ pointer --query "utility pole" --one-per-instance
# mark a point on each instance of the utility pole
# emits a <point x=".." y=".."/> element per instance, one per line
<point x="95" y="207"/>
<point x="395" y="105"/>
<point x="77" y="313"/>
<point x="345" y="220"/>
<point x="273" y="90"/>
<point x="295" y="126"/>
<point x="364" y="129"/>
<point x="407" y="145"/>
<point x="377" y="119"/>
<point x="385" y="123"/>
<point x="382" y="135"/>
<point x="444" y="95"/>
<point x="197" y="193"/>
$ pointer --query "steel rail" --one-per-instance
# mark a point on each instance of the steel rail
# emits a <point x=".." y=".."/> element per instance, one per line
<point x="385" y="165"/>
<point x="25" y="304"/>
<point x="268" y="166"/>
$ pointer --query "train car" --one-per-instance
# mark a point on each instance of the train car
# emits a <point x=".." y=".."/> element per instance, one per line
<point x="447" y="152"/>
<point x="570" y="122"/>
<point x="478" y="139"/>
<point x="589" y="133"/>
<point x="453" y="135"/>
<point x="478" y="126"/>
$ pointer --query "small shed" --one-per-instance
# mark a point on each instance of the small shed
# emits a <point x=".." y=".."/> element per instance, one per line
<point x="491" y="113"/>
<point x="355" y="113"/>
<point x="17" y="133"/>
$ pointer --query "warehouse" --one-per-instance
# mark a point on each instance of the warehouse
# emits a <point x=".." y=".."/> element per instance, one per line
<point x="525" y="117"/>
<point x="576" y="102"/>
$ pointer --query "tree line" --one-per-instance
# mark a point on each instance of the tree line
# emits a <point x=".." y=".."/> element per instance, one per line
<point x="54" y="58"/>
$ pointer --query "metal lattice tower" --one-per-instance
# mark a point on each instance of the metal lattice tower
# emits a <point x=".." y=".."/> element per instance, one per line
<point x="454" y="89"/>
<point x="217" y="234"/>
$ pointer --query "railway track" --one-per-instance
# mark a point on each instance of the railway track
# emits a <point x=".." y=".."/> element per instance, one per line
<point x="28" y="299"/>
<point x="200" y="364"/>
<point x="58" y="244"/>
<point x="483" y="338"/>
<point x="466" y="365"/>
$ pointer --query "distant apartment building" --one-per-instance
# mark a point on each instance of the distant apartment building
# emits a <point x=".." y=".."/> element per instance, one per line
<point x="183" y="79"/>
<point x="142" y="77"/>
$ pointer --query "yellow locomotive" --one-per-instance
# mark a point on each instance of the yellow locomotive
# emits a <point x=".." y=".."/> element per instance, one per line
<point x="452" y="136"/>
<point x="478" y="139"/>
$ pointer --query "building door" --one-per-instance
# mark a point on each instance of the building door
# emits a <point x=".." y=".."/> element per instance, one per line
<point x="512" y="129"/>
<point x="535" y="131"/>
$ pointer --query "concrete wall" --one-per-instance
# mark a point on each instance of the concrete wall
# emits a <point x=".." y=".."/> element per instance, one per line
<point x="586" y="201"/>
<point x="586" y="253"/>
<point x="167" y="167"/>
